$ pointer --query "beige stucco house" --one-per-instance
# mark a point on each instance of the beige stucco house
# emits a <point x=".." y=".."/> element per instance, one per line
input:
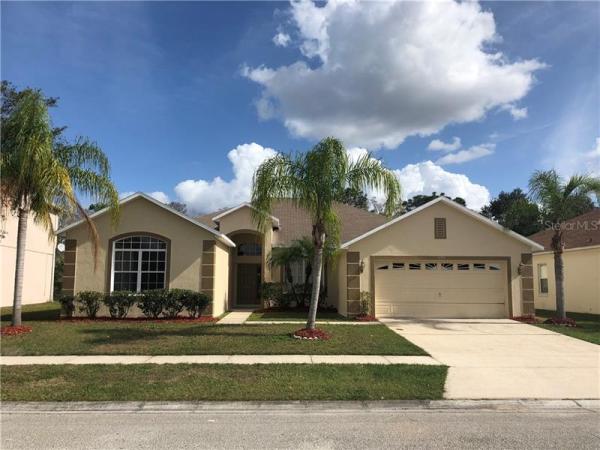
<point x="439" y="260"/>
<point x="581" y="260"/>
<point x="39" y="260"/>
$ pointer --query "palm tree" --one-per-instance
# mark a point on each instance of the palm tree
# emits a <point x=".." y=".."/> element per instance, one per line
<point x="313" y="181"/>
<point x="40" y="175"/>
<point x="300" y="250"/>
<point x="559" y="202"/>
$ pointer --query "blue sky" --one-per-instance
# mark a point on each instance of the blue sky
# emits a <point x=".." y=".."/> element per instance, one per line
<point x="181" y="91"/>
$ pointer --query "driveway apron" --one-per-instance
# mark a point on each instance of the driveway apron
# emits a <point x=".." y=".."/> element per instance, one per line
<point x="505" y="359"/>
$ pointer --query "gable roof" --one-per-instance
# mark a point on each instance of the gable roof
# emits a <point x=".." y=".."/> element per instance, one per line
<point x="453" y="204"/>
<point x="226" y="212"/>
<point x="223" y="238"/>
<point x="296" y="223"/>
<point x="580" y="231"/>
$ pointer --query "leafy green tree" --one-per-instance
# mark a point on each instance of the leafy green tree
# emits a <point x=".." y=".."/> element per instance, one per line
<point x="95" y="207"/>
<point x="313" y="181"/>
<point x="515" y="211"/>
<point x="41" y="172"/>
<point x="421" y="199"/>
<point x="559" y="201"/>
<point x="178" y="206"/>
<point x="354" y="197"/>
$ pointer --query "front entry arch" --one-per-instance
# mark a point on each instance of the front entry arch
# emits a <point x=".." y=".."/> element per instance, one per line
<point x="246" y="268"/>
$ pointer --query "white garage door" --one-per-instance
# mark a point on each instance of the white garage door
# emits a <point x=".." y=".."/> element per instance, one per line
<point x="440" y="288"/>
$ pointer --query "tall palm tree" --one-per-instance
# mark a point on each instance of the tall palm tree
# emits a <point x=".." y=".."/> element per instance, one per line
<point x="313" y="180"/>
<point x="559" y="201"/>
<point x="41" y="174"/>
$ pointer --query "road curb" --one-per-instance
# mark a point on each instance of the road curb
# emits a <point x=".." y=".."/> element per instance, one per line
<point x="581" y="405"/>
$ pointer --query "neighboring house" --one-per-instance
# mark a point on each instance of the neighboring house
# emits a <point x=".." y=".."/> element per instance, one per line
<point x="439" y="260"/>
<point x="39" y="260"/>
<point x="581" y="260"/>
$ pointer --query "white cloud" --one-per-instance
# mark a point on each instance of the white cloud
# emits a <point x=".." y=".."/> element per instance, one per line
<point x="438" y="145"/>
<point x="160" y="196"/>
<point x="210" y="195"/>
<point x="475" y="152"/>
<point x="388" y="70"/>
<point x="427" y="177"/>
<point x="515" y="112"/>
<point x="281" y="39"/>
<point x="422" y="178"/>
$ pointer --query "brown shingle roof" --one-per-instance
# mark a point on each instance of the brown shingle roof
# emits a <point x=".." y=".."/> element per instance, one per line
<point x="296" y="223"/>
<point x="580" y="231"/>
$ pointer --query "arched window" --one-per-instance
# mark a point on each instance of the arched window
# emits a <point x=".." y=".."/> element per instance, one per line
<point x="139" y="263"/>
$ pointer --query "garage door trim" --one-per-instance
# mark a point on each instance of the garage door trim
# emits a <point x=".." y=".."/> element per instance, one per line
<point x="505" y="259"/>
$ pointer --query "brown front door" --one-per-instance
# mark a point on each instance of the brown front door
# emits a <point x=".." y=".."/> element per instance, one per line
<point x="248" y="282"/>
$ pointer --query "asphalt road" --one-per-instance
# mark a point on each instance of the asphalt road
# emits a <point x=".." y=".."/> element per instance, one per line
<point x="355" y="427"/>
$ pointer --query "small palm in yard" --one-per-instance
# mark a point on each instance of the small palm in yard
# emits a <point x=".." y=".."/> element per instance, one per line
<point x="300" y="250"/>
<point x="41" y="172"/>
<point x="559" y="201"/>
<point x="313" y="181"/>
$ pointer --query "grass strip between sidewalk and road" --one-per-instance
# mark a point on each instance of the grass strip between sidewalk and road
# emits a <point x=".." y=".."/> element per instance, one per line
<point x="189" y="382"/>
<point x="587" y="329"/>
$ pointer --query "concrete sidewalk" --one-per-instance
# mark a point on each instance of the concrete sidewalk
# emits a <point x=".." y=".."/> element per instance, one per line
<point x="235" y="318"/>
<point x="217" y="359"/>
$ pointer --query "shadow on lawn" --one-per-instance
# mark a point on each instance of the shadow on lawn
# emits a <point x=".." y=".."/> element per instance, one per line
<point x="125" y="335"/>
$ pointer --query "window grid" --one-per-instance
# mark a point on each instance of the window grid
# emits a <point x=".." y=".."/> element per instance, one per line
<point x="139" y="264"/>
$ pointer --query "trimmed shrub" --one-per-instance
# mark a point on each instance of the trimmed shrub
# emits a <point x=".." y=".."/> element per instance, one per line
<point x="174" y="302"/>
<point x="89" y="302"/>
<point x="152" y="302"/>
<point x="195" y="303"/>
<point x="67" y="305"/>
<point x="119" y="302"/>
<point x="365" y="303"/>
<point x="271" y="294"/>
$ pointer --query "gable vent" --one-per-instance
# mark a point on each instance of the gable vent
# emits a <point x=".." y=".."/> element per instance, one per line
<point x="439" y="227"/>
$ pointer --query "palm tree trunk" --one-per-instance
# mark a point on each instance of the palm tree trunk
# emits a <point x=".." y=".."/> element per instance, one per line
<point x="559" y="276"/>
<point x="19" y="266"/>
<point x="314" y="299"/>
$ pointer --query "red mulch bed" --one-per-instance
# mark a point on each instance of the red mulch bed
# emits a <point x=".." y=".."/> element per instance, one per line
<point x="366" y="318"/>
<point x="530" y="318"/>
<point x="9" y="330"/>
<point x="315" y="334"/>
<point x="201" y="319"/>
<point x="561" y="322"/>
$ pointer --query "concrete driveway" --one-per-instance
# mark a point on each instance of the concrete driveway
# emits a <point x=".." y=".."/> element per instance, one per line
<point x="504" y="359"/>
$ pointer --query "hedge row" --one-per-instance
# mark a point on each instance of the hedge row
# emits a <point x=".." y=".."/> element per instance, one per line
<point x="168" y="302"/>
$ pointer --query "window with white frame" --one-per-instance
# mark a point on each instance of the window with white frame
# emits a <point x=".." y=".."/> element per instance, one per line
<point x="139" y="263"/>
<point x="543" y="277"/>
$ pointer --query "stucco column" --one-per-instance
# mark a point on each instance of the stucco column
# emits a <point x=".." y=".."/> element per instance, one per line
<point x="353" y="283"/>
<point x="70" y="257"/>
<point x="526" y="272"/>
<point x="207" y="275"/>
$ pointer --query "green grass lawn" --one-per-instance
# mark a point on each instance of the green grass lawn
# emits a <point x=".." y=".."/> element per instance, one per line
<point x="295" y="315"/>
<point x="147" y="338"/>
<point x="588" y="325"/>
<point x="38" y="311"/>
<point x="181" y="382"/>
